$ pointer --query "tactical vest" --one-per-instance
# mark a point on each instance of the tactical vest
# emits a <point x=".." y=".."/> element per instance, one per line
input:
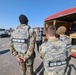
<point x="55" y="57"/>
<point x="20" y="39"/>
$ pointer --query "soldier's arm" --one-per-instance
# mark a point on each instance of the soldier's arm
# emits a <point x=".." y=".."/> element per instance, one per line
<point x="42" y="51"/>
<point x="13" y="51"/>
<point x="31" y="46"/>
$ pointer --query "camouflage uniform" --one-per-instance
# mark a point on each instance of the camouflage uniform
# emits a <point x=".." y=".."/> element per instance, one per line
<point x="26" y="68"/>
<point x="55" y="70"/>
<point x="66" y="40"/>
<point x="61" y="31"/>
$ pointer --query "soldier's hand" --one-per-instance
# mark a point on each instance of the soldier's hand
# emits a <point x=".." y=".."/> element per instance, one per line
<point x="23" y="59"/>
<point x="20" y="60"/>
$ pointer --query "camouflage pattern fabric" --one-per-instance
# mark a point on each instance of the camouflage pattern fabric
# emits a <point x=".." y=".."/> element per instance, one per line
<point x="20" y="38"/>
<point x="53" y="51"/>
<point x="66" y="40"/>
<point x="30" y="48"/>
<point x="26" y="69"/>
<point x="47" y="73"/>
<point x="27" y="66"/>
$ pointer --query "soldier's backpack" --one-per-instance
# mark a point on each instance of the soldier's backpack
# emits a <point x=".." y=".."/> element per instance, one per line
<point x="20" y="39"/>
<point x="55" y="57"/>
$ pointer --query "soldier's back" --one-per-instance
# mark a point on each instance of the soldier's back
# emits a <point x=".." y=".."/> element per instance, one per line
<point x="66" y="40"/>
<point x="55" y="56"/>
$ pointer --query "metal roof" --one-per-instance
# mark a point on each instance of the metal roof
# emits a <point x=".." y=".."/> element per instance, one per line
<point x="68" y="14"/>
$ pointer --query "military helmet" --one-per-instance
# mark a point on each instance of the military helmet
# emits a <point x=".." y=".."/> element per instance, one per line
<point x="23" y="19"/>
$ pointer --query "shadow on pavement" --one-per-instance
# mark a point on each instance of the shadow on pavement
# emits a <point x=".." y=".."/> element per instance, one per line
<point x="39" y="70"/>
<point x="38" y="46"/>
<point x="4" y="51"/>
<point x="70" y="69"/>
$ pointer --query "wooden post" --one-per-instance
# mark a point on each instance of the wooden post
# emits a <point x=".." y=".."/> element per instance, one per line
<point x="54" y="22"/>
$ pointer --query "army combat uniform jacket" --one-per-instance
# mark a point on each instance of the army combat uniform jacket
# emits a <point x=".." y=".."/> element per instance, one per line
<point x="67" y="41"/>
<point x="29" y="54"/>
<point x="46" y="47"/>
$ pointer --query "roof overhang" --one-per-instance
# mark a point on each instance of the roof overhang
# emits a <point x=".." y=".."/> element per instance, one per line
<point x="65" y="15"/>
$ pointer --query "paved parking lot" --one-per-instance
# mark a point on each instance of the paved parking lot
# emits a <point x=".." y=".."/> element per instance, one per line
<point x="9" y="65"/>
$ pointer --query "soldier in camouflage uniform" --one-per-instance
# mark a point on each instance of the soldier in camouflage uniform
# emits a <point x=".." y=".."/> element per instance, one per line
<point x="61" y="31"/>
<point x="53" y="51"/>
<point x="18" y="42"/>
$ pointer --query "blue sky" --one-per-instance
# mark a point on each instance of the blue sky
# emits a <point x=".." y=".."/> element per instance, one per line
<point x="35" y="10"/>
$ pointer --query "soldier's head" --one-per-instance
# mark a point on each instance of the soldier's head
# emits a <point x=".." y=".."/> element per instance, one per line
<point x="51" y="31"/>
<point x="23" y="19"/>
<point x="61" y="30"/>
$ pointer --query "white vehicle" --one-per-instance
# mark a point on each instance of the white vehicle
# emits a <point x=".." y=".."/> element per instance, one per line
<point x="3" y="33"/>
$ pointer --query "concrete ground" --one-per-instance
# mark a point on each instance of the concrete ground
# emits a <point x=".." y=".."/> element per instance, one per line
<point x="9" y="65"/>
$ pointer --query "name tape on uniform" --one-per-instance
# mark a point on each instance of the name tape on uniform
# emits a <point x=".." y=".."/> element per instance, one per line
<point x="19" y="40"/>
<point x="58" y="63"/>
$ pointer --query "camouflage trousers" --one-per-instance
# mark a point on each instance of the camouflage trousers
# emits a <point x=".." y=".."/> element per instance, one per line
<point x="26" y="69"/>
